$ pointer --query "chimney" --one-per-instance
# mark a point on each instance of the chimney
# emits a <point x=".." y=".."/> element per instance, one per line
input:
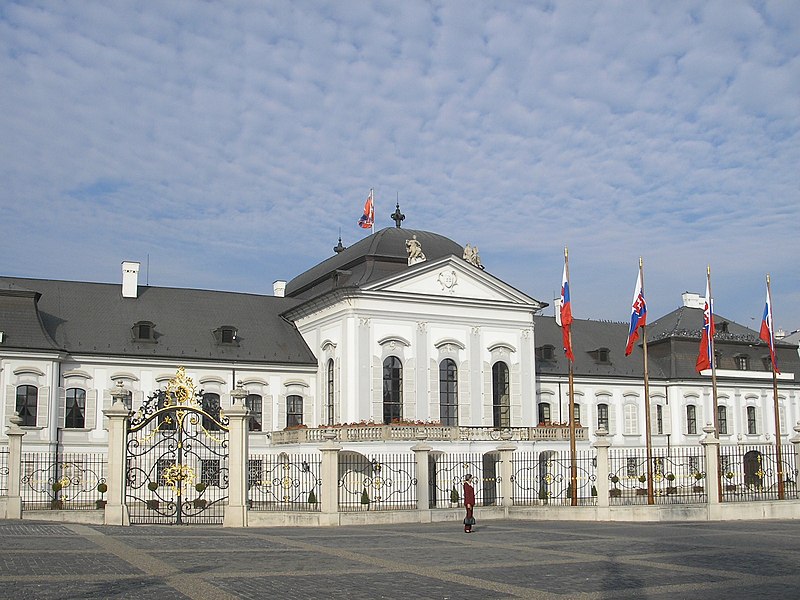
<point x="693" y="300"/>
<point x="130" y="279"/>
<point x="278" y="288"/>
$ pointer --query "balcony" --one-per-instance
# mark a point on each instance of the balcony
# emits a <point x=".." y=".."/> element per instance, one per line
<point x="433" y="433"/>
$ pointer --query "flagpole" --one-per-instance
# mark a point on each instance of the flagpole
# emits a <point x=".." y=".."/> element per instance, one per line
<point x="647" y="424"/>
<point x="573" y="466"/>
<point x="715" y="405"/>
<point x="779" y="459"/>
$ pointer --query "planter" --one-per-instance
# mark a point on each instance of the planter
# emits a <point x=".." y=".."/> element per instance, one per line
<point x="641" y="491"/>
<point x="671" y="490"/>
<point x="56" y="504"/>
<point x="100" y="503"/>
<point x="199" y="502"/>
<point x="697" y="489"/>
<point x="730" y="487"/>
<point x="152" y="504"/>
<point x="615" y="493"/>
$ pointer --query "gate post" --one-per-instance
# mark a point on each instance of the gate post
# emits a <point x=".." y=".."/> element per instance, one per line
<point x="506" y="451"/>
<point x="421" y="453"/>
<point x="713" y="491"/>
<point x="116" y="512"/>
<point x="14" y="499"/>
<point x="601" y="446"/>
<point x="236" y="510"/>
<point x="330" y="478"/>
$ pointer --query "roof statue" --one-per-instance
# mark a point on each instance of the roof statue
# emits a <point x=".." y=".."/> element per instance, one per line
<point x="471" y="256"/>
<point x="415" y="254"/>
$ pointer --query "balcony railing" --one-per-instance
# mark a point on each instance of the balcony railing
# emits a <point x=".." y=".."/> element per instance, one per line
<point x="397" y="433"/>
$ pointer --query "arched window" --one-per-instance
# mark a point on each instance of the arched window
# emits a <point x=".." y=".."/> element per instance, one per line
<point x="75" y="416"/>
<point x="448" y="392"/>
<point x="722" y="419"/>
<point x="602" y="417"/>
<point x="501" y="403"/>
<point x="253" y="403"/>
<point x="544" y="413"/>
<point x="392" y="389"/>
<point x="329" y="412"/>
<point x="211" y="408"/>
<point x="691" y="419"/>
<point x="27" y="399"/>
<point x="294" y="410"/>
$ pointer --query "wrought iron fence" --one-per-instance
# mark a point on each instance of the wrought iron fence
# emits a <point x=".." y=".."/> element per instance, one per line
<point x="750" y="472"/>
<point x="4" y="471"/>
<point x="64" y="481"/>
<point x="678" y="475"/>
<point x="446" y="474"/>
<point x="284" y="482"/>
<point x="377" y="482"/>
<point x="546" y="478"/>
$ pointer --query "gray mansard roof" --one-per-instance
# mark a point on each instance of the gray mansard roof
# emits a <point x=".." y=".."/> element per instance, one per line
<point x="94" y="319"/>
<point x="373" y="258"/>
<point x="672" y="343"/>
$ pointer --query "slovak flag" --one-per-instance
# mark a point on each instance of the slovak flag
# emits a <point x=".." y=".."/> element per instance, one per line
<point x="767" y="333"/>
<point x="566" y="315"/>
<point x="638" y="315"/>
<point x="705" y="357"/>
<point x="368" y="218"/>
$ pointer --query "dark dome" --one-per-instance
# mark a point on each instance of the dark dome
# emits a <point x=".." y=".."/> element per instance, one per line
<point x="375" y="257"/>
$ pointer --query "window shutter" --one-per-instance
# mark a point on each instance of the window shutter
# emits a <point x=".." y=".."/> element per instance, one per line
<point x="434" y="409"/>
<point x="759" y="421"/>
<point x="137" y="399"/>
<point x="106" y="406"/>
<point x="685" y="418"/>
<point x="515" y="402"/>
<point x="654" y="419"/>
<point x="409" y="398"/>
<point x="90" y="418"/>
<point x="377" y="391"/>
<point x="43" y="406"/>
<point x="612" y="418"/>
<point x="62" y="407"/>
<point x="667" y="418"/>
<point x="266" y="413"/>
<point x="11" y="405"/>
<point x="782" y="415"/>
<point x="488" y="399"/>
<point x="281" y="411"/>
<point x="464" y="408"/>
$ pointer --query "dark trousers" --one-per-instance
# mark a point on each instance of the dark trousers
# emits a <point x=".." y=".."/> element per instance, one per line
<point x="469" y="516"/>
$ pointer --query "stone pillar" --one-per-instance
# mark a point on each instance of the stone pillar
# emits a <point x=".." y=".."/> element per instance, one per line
<point x="330" y="478"/>
<point x="795" y="440"/>
<point x="116" y="512"/>
<point x="601" y="445"/>
<point x="506" y="450"/>
<point x="711" y="443"/>
<point x="422" y="452"/>
<point x="14" y="499"/>
<point x="238" y="432"/>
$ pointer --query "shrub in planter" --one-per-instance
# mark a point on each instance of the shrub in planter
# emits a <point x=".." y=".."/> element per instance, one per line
<point x="615" y="493"/>
<point x="152" y="486"/>
<point x="200" y="487"/>
<point x="312" y="497"/>
<point x="152" y="504"/>
<point x="102" y="488"/>
<point x="365" y="498"/>
<point x="454" y="497"/>
<point x="199" y="502"/>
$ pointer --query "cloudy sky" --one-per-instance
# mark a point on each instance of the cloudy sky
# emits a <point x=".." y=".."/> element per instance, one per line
<point x="229" y="143"/>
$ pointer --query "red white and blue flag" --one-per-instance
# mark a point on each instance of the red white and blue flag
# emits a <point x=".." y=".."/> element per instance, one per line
<point x="367" y="220"/>
<point x="706" y="356"/>
<point x="566" y="315"/>
<point x="638" y="315"/>
<point x="768" y="333"/>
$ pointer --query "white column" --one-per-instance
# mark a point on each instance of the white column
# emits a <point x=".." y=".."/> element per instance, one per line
<point x="601" y="445"/>
<point x="14" y="499"/>
<point x="421" y="454"/>
<point x="506" y="451"/>
<point x="238" y="417"/>
<point x="330" y="478"/>
<point x="116" y="512"/>
<point x="711" y="443"/>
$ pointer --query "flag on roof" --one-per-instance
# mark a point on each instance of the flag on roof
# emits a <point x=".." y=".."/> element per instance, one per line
<point x="768" y="332"/>
<point x="638" y="315"/>
<point x="706" y="357"/>
<point x="566" y="315"/>
<point x="367" y="220"/>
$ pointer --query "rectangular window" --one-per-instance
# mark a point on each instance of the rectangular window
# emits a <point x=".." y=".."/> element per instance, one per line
<point x="75" y="409"/>
<point x="752" y="427"/>
<point x="253" y="403"/>
<point x="659" y="419"/>
<point x="294" y="411"/>
<point x="722" y="419"/>
<point x="631" y="419"/>
<point x="27" y="401"/>
<point x="743" y="363"/>
<point x="576" y="413"/>
<point x="691" y="419"/>
<point x="544" y="413"/>
<point x="602" y="417"/>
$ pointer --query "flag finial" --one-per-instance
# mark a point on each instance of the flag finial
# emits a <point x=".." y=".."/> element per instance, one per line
<point x="397" y="216"/>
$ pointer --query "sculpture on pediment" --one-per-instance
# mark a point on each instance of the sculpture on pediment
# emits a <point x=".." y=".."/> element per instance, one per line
<point x="414" y="249"/>
<point x="471" y="256"/>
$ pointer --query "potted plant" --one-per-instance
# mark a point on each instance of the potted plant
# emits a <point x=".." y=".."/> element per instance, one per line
<point x="454" y="497"/>
<point x="365" y="498"/>
<point x="730" y="487"/>
<point x="544" y="495"/>
<point x="312" y="498"/>
<point x="614" y="492"/>
<point x="642" y="491"/>
<point x="152" y="504"/>
<point x="671" y="489"/>
<point x="200" y="502"/>
<point x="102" y="488"/>
<point x="697" y="488"/>
<point x="56" y="503"/>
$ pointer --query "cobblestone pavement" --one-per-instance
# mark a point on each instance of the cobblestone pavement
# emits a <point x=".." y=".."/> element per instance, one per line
<point x="502" y="559"/>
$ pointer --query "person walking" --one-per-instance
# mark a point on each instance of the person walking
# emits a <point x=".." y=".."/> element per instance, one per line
<point x="469" y="503"/>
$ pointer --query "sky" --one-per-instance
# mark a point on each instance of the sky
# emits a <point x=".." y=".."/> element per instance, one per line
<point x="226" y="145"/>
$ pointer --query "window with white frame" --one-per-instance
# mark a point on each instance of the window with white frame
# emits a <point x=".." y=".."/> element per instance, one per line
<point x="752" y="424"/>
<point x="294" y="410"/>
<point x="253" y="402"/>
<point x="27" y="401"/>
<point x="722" y="419"/>
<point x="544" y="413"/>
<point x="392" y="390"/>
<point x="75" y="414"/>
<point x="691" y="419"/>
<point x="501" y="404"/>
<point x="329" y="392"/>
<point x="448" y="392"/>
<point x="602" y="417"/>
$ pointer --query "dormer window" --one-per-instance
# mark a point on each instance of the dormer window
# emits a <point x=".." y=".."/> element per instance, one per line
<point x="226" y="335"/>
<point x="722" y="327"/>
<point x="742" y="362"/>
<point x="144" y="331"/>
<point x="601" y="355"/>
<point x="546" y="352"/>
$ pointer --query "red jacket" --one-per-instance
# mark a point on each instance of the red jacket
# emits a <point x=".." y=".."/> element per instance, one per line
<point x="469" y="494"/>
